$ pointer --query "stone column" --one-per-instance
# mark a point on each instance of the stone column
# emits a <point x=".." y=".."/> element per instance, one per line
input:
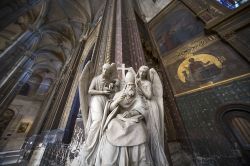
<point x="128" y="47"/>
<point x="104" y="52"/>
<point x="63" y="90"/>
<point x="16" y="72"/>
<point x="119" y="39"/>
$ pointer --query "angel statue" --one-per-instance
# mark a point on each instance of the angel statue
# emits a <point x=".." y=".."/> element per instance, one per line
<point x="124" y="136"/>
<point x="93" y="98"/>
<point x="124" y="132"/>
<point x="149" y="88"/>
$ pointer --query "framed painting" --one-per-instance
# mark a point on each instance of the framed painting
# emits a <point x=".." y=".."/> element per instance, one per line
<point x="174" y="26"/>
<point x="204" y="63"/>
<point x="22" y="127"/>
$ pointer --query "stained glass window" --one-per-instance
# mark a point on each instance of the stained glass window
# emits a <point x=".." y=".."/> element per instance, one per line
<point x="232" y="4"/>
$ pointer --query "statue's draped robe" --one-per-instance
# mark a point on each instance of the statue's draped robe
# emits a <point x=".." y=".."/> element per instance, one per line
<point x="97" y="105"/>
<point x="155" y="127"/>
<point x="124" y="142"/>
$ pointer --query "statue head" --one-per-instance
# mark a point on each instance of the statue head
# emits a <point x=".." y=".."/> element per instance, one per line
<point x="143" y="72"/>
<point x="130" y="78"/>
<point x="106" y="70"/>
<point x="130" y="84"/>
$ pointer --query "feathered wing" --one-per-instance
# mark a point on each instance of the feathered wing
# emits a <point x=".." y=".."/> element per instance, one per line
<point x="113" y="71"/>
<point x="84" y="82"/>
<point x="158" y="97"/>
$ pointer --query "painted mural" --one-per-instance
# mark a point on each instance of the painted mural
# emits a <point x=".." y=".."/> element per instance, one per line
<point x="199" y="68"/>
<point x="174" y="27"/>
<point x="204" y="67"/>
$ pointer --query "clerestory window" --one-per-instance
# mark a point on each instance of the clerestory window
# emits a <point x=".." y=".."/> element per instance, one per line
<point x="232" y="4"/>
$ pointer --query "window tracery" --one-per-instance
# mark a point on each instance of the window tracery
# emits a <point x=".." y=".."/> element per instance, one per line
<point x="232" y="4"/>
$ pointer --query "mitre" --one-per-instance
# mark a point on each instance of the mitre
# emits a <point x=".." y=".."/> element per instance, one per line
<point x="130" y="78"/>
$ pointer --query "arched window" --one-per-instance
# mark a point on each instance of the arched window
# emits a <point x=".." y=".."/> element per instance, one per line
<point x="232" y="4"/>
<point x="44" y="86"/>
<point x="235" y="120"/>
<point x="25" y="90"/>
<point x="238" y="121"/>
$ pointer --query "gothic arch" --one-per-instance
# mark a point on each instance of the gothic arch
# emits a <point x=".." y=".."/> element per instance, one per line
<point x="234" y="120"/>
<point x="14" y="30"/>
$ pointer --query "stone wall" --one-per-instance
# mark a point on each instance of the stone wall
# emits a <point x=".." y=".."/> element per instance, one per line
<point x="26" y="110"/>
<point x="199" y="110"/>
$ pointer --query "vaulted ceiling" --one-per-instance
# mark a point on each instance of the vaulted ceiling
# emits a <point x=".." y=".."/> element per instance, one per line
<point x="58" y="26"/>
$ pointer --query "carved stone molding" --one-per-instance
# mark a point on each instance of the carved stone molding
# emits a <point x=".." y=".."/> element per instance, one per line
<point x="235" y="31"/>
<point x="190" y="48"/>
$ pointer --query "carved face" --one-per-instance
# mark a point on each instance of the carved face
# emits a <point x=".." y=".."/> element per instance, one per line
<point x="143" y="71"/>
<point x="142" y="74"/>
<point x="130" y="89"/>
<point x="106" y="70"/>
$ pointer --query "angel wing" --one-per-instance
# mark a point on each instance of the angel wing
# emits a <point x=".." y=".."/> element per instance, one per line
<point x="84" y="82"/>
<point x="158" y="97"/>
<point x="113" y="70"/>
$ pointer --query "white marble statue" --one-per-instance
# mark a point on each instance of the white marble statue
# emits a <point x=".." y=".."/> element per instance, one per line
<point x="149" y="88"/>
<point x="99" y="91"/>
<point x="127" y="130"/>
<point x="124" y="132"/>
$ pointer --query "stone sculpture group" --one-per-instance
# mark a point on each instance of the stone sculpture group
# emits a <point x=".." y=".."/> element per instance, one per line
<point x="123" y="119"/>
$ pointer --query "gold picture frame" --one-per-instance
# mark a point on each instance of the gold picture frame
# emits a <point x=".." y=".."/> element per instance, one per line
<point x="23" y="127"/>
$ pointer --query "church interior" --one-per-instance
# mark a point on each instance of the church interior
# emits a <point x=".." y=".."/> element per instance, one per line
<point x="199" y="48"/>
